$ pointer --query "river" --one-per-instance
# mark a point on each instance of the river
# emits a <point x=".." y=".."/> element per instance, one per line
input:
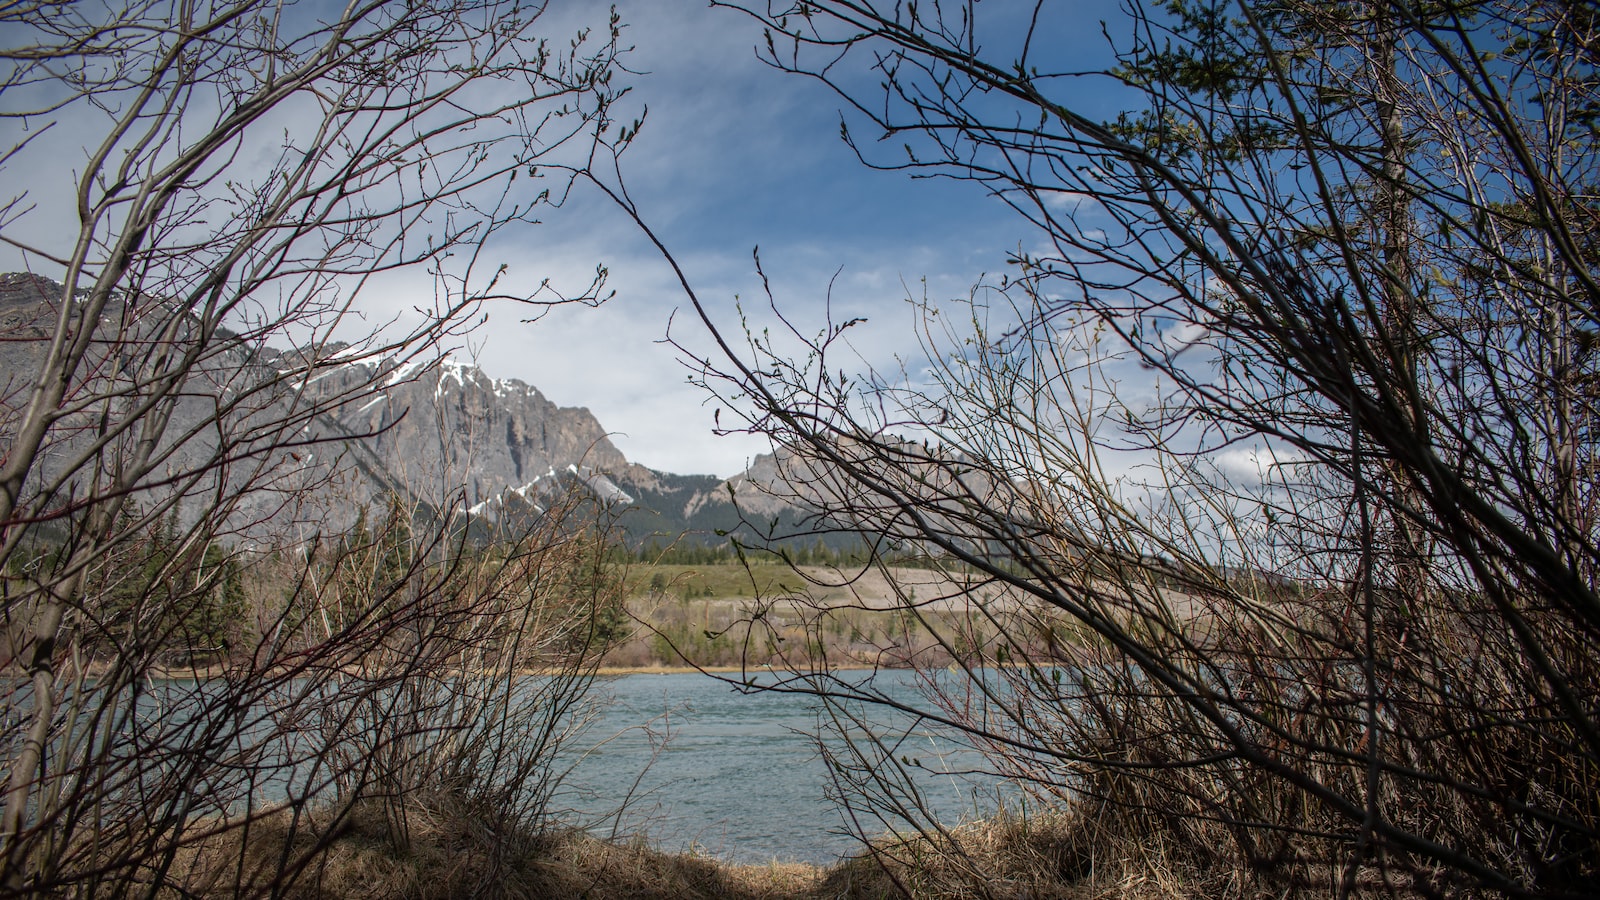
<point x="688" y="761"/>
<point x="738" y="775"/>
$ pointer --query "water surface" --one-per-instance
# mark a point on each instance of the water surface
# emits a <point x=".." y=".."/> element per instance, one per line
<point x="738" y="774"/>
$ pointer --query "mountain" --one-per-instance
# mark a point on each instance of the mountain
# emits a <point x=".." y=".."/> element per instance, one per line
<point x="440" y="433"/>
<point x="447" y="426"/>
<point x="443" y="426"/>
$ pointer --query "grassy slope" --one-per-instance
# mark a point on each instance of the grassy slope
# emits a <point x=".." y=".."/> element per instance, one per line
<point x="729" y="615"/>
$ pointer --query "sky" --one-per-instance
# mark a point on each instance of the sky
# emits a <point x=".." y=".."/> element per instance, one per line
<point x="733" y="155"/>
<point x="736" y="155"/>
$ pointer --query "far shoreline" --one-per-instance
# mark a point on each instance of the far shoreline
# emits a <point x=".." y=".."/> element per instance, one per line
<point x="220" y="670"/>
<point x="614" y="671"/>
<point x="223" y="670"/>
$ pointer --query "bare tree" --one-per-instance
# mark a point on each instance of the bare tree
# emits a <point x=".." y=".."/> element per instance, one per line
<point x="241" y="175"/>
<point x="1319" y="603"/>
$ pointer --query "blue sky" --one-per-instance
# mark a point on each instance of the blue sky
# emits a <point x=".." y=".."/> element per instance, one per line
<point x="734" y="155"/>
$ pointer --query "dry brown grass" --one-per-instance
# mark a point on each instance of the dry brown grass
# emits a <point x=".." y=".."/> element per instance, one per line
<point x="453" y="853"/>
<point x="1056" y="856"/>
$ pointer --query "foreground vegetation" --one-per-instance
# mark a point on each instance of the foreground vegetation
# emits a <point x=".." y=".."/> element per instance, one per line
<point x="1287" y="401"/>
<point x="1331" y="579"/>
<point x="453" y="854"/>
<point x="174" y="488"/>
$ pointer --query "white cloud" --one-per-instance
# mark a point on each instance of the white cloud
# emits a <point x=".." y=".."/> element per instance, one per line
<point x="1253" y="466"/>
<point x="733" y="155"/>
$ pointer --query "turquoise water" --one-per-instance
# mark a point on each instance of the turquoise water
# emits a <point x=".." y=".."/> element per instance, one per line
<point x="738" y="775"/>
<point x="686" y="760"/>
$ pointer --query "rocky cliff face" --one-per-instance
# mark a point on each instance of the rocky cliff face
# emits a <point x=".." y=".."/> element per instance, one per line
<point x="438" y="432"/>
<point x="444" y="426"/>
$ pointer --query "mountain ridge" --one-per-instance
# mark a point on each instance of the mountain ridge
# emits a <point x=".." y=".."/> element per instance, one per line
<point x="434" y="429"/>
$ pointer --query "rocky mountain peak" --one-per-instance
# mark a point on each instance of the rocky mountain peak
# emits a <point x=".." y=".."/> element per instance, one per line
<point x="438" y="432"/>
<point x="444" y="422"/>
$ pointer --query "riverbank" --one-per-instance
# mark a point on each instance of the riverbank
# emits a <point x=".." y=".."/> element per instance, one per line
<point x="199" y="673"/>
<point x="666" y="669"/>
<point x="727" y="617"/>
<point x="452" y="853"/>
